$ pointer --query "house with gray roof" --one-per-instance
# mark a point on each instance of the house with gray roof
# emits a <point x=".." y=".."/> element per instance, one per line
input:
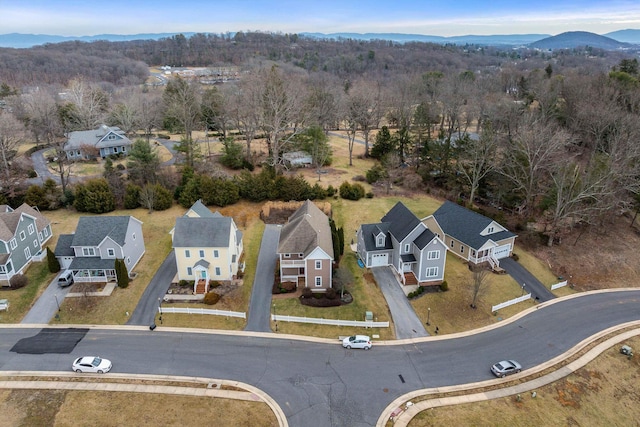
<point x="305" y="249"/>
<point x="107" y="140"/>
<point x="23" y="234"/>
<point x="91" y="251"/>
<point x="404" y="243"/>
<point x="208" y="247"/>
<point x="471" y="235"/>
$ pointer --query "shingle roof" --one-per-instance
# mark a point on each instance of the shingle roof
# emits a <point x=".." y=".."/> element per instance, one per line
<point x="9" y="220"/>
<point x="466" y="225"/>
<point x="92" y="230"/>
<point x="402" y="220"/>
<point x="307" y="229"/>
<point x="369" y="233"/>
<point x="63" y="247"/>
<point x="208" y="232"/>
<point x="202" y="211"/>
<point x="96" y="137"/>
<point x="92" y="263"/>
<point x="423" y="240"/>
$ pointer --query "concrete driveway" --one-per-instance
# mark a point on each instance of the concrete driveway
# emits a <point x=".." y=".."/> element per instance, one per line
<point x="407" y="323"/>
<point x="260" y="303"/>
<point x="47" y="304"/>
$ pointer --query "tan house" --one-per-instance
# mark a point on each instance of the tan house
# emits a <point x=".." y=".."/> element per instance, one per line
<point x="207" y="246"/>
<point x="470" y="235"/>
<point x="305" y="250"/>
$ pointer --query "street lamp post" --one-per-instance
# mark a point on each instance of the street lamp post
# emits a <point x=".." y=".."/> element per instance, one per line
<point x="429" y="316"/>
<point x="274" y="316"/>
<point x="57" y="303"/>
<point x="160" y="309"/>
<point x="523" y="285"/>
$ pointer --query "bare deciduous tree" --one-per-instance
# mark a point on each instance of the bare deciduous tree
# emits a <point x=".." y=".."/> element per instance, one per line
<point x="479" y="284"/>
<point x="12" y="134"/>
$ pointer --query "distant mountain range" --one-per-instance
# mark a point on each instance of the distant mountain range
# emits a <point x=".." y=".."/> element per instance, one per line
<point x="613" y="40"/>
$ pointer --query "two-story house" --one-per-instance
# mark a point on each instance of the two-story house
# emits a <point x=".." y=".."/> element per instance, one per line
<point x="470" y="235"/>
<point x="305" y="249"/>
<point x="105" y="139"/>
<point x="23" y="233"/>
<point x="98" y="241"/>
<point x="207" y="246"/>
<point x="401" y="241"/>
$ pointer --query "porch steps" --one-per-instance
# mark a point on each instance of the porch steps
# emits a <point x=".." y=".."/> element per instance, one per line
<point x="201" y="287"/>
<point x="410" y="279"/>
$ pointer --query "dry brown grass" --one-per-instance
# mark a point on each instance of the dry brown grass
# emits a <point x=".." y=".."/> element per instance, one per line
<point x="606" y="392"/>
<point x="71" y="408"/>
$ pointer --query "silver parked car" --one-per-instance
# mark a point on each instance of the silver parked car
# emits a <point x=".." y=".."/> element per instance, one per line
<point x="91" y="364"/>
<point x="506" y="367"/>
<point x="357" y="341"/>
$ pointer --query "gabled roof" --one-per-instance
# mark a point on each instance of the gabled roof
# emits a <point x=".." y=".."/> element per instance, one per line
<point x="424" y="239"/>
<point x="369" y="233"/>
<point x="307" y="229"/>
<point x="402" y="220"/>
<point x="201" y="210"/>
<point x="208" y="232"/>
<point x="63" y="247"/>
<point x="466" y="225"/>
<point x="10" y="219"/>
<point x="92" y="230"/>
<point x="96" y="137"/>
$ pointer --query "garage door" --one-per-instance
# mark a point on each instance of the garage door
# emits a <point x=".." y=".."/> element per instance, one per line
<point x="378" y="260"/>
<point x="502" y="251"/>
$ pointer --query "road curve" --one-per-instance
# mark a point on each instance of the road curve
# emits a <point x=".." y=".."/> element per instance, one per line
<point x="317" y="382"/>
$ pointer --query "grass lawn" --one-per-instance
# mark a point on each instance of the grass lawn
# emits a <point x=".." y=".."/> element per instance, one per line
<point x="21" y="300"/>
<point x="606" y="392"/>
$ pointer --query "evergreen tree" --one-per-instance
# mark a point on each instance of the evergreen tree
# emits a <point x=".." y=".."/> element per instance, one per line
<point x="122" y="274"/>
<point x="52" y="262"/>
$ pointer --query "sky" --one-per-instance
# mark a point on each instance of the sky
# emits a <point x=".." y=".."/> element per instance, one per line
<point x="428" y="17"/>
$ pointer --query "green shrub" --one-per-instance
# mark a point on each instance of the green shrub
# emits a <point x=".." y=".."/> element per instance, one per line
<point x="351" y="191"/>
<point x="213" y="284"/>
<point x="331" y="191"/>
<point x="331" y="293"/>
<point x="444" y="286"/>
<point x="18" y="281"/>
<point x="369" y="195"/>
<point x="211" y="298"/>
<point x="306" y="293"/>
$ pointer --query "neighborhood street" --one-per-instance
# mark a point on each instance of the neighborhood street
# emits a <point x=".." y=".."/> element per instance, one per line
<point x="318" y="383"/>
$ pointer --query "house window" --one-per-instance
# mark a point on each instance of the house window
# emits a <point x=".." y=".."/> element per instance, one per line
<point x="406" y="247"/>
<point x="452" y="243"/>
<point x="22" y="235"/>
<point x="490" y="229"/>
<point x="233" y="258"/>
<point x="473" y="252"/>
<point x="301" y="255"/>
<point x="215" y="253"/>
<point x="111" y="137"/>
<point x="30" y="229"/>
<point x="128" y="260"/>
<point x="287" y="255"/>
<point x="88" y="252"/>
<point x="111" y="252"/>
<point x="40" y="236"/>
<point x="432" y="272"/>
<point x="133" y="236"/>
<point x="13" y="243"/>
<point x="217" y="271"/>
<point x="189" y="271"/>
<point x="380" y="241"/>
<point x="318" y="281"/>
<point x="35" y="243"/>
<point x="461" y="249"/>
<point x="201" y="253"/>
<point x="433" y="255"/>
<point x="27" y="253"/>
<point x="318" y="265"/>
<point x="187" y="253"/>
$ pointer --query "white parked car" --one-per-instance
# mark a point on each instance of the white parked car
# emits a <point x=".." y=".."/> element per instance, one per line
<point x="357" y="341"/>
<point x="91" y="364"/>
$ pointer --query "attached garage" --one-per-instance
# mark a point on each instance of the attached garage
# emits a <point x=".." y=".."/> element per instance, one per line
<point x="502" y="251"/>
<point x="379" y="260"/>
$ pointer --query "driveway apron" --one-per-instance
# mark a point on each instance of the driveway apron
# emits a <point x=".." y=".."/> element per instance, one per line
<point x="260" y="303"/>
<point x="539" y="292"/>
<point x="405" y="319"/>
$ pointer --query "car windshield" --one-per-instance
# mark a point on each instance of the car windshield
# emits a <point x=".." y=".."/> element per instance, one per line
<point x="96" y="361"/>
<point x="499" y="366"/>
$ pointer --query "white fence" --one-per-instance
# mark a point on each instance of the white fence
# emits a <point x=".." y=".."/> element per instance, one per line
<point x="318" y="321"/>
<point x="187" y="310"/>
<point x="558" y="285"/>
<point x="510" y="302"/>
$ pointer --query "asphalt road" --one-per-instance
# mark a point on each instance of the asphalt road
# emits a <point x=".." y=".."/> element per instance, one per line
<point x="319" y="384"/>
<point x="145" y="311"/>
<point x="406" y="322"/>
<point x="260" y="303"/>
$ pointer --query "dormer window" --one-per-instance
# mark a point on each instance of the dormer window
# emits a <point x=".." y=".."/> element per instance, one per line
<point x="380" y="241"/>
<point x="490" y="229"/>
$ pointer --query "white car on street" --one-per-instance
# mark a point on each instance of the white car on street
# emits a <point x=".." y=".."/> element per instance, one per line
<point x="357" y="341"/>
<point x="91" y="364"/>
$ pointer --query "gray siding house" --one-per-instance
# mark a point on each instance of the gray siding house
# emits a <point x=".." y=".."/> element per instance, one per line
<point x="401" y="241"/>
<point x="107" y="140"/>
<point x="92" y="250"/>
<point x="23" y="233"/>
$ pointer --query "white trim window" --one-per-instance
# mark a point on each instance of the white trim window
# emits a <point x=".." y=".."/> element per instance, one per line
<point x="35" y="243"/>
<point x="88" y="252"/>
<point x="218" y="271"/>
<point x="40" y="236"/>
<point x="318" y="281"/>
<point x="13" y="243"/>
<point x="432" y="272"/>
<point x="111" y="253"/>
<point x="30" y="228"/>
<point x="407" y="247"/>
<point x="216" y="253"/>
<point x="318" y="264"/>
<point x="201" y="253"/>
<point x="23" y="235"/>
<point x="27" y="253"/>
<point x="380" y="241"/>
<point x="287" y="255"/>
<point x="461" y="249"/>
<point x="433" y="255"/>
<point x="187" y="253"/>
<point x="128" y="260"/>
<point x="133" y="236"/>
<point x="189" y="271"/>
